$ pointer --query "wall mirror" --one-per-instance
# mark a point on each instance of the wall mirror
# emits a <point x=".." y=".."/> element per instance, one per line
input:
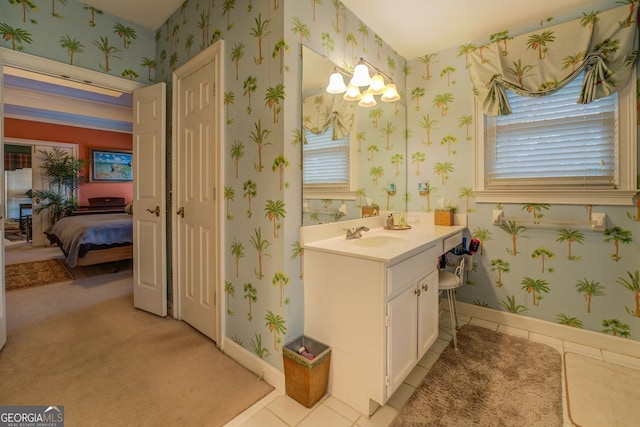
<point x="376" y="148"/>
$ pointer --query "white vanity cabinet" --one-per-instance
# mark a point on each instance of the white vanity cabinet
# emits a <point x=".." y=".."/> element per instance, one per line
<point x="378" y="317"/>
<point x="411" y="314"/>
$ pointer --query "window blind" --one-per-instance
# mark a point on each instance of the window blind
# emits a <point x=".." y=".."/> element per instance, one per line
<point x="553" y="141"/>
<point x="325" y="161"/>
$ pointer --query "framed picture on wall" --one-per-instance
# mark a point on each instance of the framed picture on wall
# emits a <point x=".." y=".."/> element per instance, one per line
<point x="111" y="165"/>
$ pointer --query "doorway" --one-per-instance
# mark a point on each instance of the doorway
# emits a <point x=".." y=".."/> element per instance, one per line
<point x="95" y="80"/>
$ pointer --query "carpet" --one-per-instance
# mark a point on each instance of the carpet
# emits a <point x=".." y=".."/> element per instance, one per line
<point x="14" y="236"/>
<point x="493" y="379"/>
<point x="35" y="273"/>
<point x="601" y="393"/>
<point x="86" y="347"/>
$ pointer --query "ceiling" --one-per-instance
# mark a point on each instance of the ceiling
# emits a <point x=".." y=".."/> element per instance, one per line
<point x="34" y="96"/>
<point x="148" y="13"/>
<point x="435" y="24"/>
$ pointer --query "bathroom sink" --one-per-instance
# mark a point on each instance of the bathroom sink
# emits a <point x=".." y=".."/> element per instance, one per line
<point x="376" y="241"/>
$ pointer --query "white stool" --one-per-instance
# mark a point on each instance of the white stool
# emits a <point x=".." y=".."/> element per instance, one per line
<point x="448" y="281"/>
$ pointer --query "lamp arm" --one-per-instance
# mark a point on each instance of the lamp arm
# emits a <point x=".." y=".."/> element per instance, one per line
<point x="379" y="71"/>
<point x="368" y="64"/>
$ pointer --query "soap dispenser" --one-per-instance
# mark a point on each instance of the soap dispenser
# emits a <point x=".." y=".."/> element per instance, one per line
<point x="390" y="221"/>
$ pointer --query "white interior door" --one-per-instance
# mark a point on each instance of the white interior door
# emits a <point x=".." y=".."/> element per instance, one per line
<point x="196" y="176"/>
<point x="40" y="221"/>
<point x="149" y="199"/>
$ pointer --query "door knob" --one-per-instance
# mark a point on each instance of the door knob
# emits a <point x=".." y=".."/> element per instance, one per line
<point x="181" y="212"/>
<point x="155" y="211"/>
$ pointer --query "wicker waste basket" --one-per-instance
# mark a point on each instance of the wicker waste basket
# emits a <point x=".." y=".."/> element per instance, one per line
<point x="306" y="380"/>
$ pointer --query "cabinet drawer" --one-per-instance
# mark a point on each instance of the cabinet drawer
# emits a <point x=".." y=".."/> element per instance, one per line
<point x="451" y="242"/>
<point x="409" y="271"/>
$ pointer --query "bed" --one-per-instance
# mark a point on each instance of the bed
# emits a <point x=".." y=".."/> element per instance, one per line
<point x="93" y="237"/>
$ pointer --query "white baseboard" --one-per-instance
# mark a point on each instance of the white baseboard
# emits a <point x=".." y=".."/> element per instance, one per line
<point x="256" y="365"/>
<point x="599" y="340"/>
<point x="566" y="333"/>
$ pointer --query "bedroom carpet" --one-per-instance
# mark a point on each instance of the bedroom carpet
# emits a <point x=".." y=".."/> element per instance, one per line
<point x="493" y="379"/>
<point x="601" y="393"/>
<point x="14" y="236"/>
<point x="85" y="347"/>
<point x="35" y="273"/>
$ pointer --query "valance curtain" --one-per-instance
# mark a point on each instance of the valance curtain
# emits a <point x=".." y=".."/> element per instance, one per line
<point x="604" y="44"/>
<point x="13" y="161"/>
<point x="322" y="111"/>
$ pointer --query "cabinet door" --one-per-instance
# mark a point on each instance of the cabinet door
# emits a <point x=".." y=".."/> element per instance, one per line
<point x="427" y="312"/>
<point x="402" y="330"/>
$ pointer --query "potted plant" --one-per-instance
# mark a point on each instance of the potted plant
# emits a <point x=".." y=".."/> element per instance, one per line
<point x="63" y="173"/>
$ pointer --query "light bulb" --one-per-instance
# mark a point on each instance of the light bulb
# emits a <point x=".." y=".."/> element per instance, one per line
<point x="367" y="99"/>
<point x="336" y="84"/>
<point x="361" y="76"/>
<point x="377" y="85"/>
<point x="352" y="94"/>
<point x="390" y="94"/>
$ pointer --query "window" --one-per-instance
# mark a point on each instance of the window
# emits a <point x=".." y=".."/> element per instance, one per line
<point x="328" y="165"/>
<point x="554" y="150"/>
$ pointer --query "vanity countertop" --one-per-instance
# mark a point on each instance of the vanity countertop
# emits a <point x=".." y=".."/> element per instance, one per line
<point x="379" y="244"/>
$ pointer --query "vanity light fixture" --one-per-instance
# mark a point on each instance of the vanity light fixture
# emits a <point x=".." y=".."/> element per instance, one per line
<point x="364" y="75"/>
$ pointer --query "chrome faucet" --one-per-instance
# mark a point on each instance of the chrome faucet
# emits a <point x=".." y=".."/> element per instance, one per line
<point x="355" y="233"/>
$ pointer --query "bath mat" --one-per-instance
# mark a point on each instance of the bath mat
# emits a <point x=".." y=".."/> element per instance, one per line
<point x="601" y="393"/>
<point x="493" y="379"/>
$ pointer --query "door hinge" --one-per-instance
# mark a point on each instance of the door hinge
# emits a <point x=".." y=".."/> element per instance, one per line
<point x="386" y="380"/>
<point x="215" y="299"/>
<point x="386" y="321"/>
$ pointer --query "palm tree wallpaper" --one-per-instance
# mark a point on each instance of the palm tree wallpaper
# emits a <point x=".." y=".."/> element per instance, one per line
<point x="574" y="277"/>
<point x="77" y="34"/>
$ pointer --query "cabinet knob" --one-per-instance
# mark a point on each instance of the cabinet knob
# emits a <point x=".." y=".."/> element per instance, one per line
<point x="417" y="291"/>
<point x="425" y="287"/>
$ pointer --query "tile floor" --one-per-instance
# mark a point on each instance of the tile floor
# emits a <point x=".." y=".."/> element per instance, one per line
<point x="278" y="410"/>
